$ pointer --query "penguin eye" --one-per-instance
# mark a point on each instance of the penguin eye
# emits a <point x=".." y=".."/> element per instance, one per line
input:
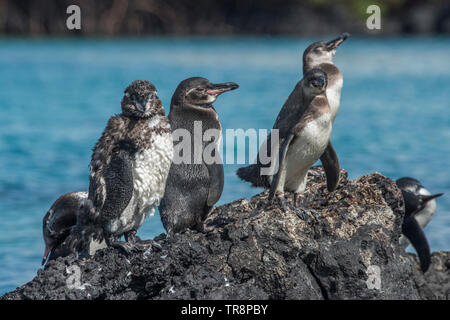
<point x="199" y="89"/>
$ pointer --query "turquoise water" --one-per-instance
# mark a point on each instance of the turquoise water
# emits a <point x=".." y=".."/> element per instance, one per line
<point x="57" y="95"/>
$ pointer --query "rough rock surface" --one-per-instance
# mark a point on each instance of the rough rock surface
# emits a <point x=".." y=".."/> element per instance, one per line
<point x="435" y="283"/>
<point x="345" y="248"/>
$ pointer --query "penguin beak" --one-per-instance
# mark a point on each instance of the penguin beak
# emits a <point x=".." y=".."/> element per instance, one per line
<point x="216" y="89"/>
<point x="140" y="107"/>
<point x="46" y="252"/>
<point x="318" y="83"/>
<point x="333" y="44"/>
<point x="429" y="198"/>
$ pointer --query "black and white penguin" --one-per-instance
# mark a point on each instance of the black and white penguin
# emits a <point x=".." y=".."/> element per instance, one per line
<point x="318" y="55"/>
<point x="129" y="168"/>
<point x="58" y="223"/>
<point x="304" y="135"/>
<point x="420" y="207"/>
<point x="194" y="185"/>
<point x="305" y="125"/>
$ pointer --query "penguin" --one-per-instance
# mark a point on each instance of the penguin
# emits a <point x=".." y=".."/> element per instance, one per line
<point x="195" y="185"/>
<point x="420" y="207"/>
<point x="86" y="236"/>
<point x="128" y="170"/>
<point x="303" y="136"/>
<point x="305" y="125"/>
<point x="318" y="55"/>
<point x="58" y="223"/>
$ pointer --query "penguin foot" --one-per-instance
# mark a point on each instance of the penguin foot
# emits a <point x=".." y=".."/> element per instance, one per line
<point x="125" y="247"/>
<point x="301" y="213"/>
<point x="315" y="214"/>
<point x="203" y="228"/>
<point x="140" y="245"/>
<point x="299" y="199"/>
<point x="144" y="245"/>
<point x="280" y="200"/>
<point x="131" y="236"/>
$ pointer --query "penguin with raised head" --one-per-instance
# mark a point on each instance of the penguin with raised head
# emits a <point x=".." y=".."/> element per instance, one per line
<point x="129" y="168"/>
<point x="194" y="184"/>
<point x="318" y="55"/>
<point x="420" y="207"/>
<point x="58" y="223"/>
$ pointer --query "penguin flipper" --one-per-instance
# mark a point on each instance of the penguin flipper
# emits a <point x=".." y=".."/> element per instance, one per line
<point x="282" y="157"/>
<point x="415" y="234"/>
<point x="118" y="176"/>
<point x="216" y="178"/>
<point x="330" y="163"/>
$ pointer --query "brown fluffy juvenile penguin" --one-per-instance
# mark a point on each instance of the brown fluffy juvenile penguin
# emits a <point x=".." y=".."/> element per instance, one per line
<point x="129" y="168"/>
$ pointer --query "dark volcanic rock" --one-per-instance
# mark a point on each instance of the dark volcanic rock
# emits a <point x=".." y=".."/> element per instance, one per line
<point x="435" y="283"/>
<point x="346" y="247"/>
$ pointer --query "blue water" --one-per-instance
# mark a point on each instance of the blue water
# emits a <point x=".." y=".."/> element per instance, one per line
<point x="57" y="95"/>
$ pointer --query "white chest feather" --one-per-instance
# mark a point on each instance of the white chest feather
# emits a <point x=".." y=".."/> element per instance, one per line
<point x="150" y="171"/>
<point x="424" y="216"/>
<point x="311" y="143"/>
<point x="334" y="96"/>
<point x="305" y="150"/>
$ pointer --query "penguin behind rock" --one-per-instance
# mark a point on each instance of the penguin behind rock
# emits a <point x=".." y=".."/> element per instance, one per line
<point x="193" y="185"/>
<point x="419" y="209"/>
<point x="129" y="168"/>
<point x="318" y="55"/>
<point x="58" y="223"/>
<point x="424" y="215"/>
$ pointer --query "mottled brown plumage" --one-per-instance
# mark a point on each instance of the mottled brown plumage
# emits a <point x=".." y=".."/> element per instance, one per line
<point x="129" y="166"/>
<point x="122" y="131"/>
